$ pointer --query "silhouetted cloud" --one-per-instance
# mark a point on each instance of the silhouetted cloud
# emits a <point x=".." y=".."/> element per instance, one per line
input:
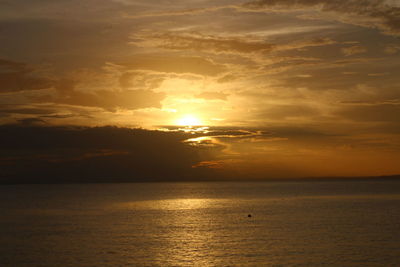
<point x="15" y="76"/>
<point x="38" y="154"/>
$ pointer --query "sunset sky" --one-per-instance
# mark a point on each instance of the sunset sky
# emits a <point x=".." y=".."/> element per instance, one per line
<point x="254" y="89"/>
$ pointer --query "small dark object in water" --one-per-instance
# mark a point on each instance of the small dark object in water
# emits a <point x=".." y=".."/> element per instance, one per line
<point x="249" y="215"/>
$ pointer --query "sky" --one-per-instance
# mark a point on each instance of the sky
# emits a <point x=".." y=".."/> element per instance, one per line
<point x="227" y="89"/>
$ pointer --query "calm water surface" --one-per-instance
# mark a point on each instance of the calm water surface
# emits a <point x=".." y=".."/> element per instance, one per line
<point x="201" y="224"/>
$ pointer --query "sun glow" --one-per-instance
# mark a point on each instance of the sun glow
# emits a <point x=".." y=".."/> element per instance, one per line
<point x="189" y="121"/>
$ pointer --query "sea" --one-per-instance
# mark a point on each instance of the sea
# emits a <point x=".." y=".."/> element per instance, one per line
<point x="290" y="223"/>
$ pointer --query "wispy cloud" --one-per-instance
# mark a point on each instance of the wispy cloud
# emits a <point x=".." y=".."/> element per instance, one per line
<point x="367" y="13"/>
<point x="354" y="50"/>
<point x="220" y="44"/>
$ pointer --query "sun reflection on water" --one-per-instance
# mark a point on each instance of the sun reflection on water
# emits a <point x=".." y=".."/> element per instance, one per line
<point x="171" y="204"/>
<point x="184" y="227"/>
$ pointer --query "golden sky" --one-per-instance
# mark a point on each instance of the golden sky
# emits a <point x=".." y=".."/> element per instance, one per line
<point x="283" y="88"/>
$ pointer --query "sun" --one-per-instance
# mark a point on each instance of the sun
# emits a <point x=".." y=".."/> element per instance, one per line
<point x="189" y="121"/>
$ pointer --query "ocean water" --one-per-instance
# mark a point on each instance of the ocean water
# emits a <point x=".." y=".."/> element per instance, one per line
<point x="335" y="223"/>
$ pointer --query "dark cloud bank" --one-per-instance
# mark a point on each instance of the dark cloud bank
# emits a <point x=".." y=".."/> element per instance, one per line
<point x="32" y="153"/>
<point x="44" y="154"/>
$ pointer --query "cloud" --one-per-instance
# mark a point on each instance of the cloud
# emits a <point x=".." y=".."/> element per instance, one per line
<point x="44" y="113"/>
<point x="31" y="121"/>
<point x="354" y="50"/>
<point x="281" y="112"/>
<point x="38" y="154"/>
<point x="228" y="78"/>
<point x="212" y="95"/>
<point x="358" y="60"/>
<point x="200" y="42"/>
<point x="217" y="44"/>
<point x="108" y="100"/>
<point x="140" y="80"/>
<point x="386" y="112"/>
<point x="33" y="153"/>
<point x="367" y="13"/>
<point x="174" y="64"/>
<point x="26" y="110"/>
<point x="392" y="49"/>
<point x="15" y="77"/>
<point x="178" y="12"/>
<point x="384" y="15"/>
<point x="82" y="42"/>
<point x="122" y="89"/>
<point x="11" y="66"/>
